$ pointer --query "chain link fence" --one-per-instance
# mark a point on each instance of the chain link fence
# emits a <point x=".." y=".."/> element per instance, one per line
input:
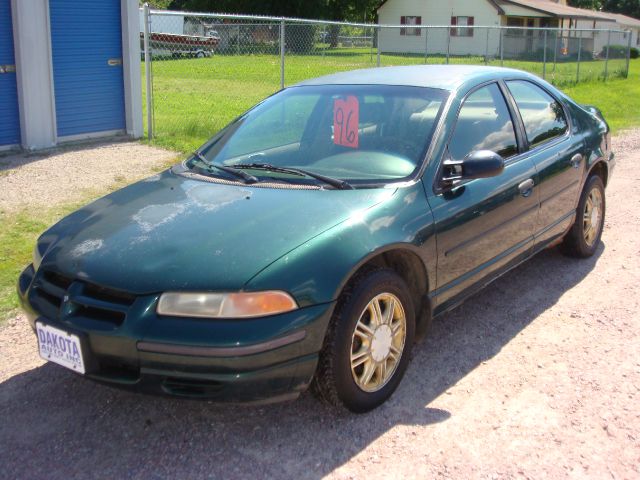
<point x="202" y="70"/>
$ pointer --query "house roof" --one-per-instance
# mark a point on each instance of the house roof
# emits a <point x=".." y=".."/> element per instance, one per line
<point x="623" y="19"/>
<point x="557" y="9"/>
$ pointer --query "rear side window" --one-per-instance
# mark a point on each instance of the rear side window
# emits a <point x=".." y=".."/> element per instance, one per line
<point x="542" y="115"/>
<point x="484" y="123"/>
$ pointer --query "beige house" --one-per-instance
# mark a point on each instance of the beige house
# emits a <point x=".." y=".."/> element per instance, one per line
<point x="632" y="25"/>
<point x="455" y="16"/>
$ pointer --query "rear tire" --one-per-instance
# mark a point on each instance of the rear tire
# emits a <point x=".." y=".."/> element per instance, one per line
<point x="368" y="343"/>
<point x="584" y="237"/>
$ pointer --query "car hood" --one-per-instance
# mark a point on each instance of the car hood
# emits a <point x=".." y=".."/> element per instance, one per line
<point x="169" y="232"/>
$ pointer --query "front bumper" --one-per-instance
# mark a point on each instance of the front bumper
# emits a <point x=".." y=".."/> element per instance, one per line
<point x="248" y="360"/>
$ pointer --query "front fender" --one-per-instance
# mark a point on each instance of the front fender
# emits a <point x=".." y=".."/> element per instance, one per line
<point x="316" y="271"/>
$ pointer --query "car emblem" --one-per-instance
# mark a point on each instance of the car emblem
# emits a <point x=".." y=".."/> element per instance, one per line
<point x="67" y="307"/>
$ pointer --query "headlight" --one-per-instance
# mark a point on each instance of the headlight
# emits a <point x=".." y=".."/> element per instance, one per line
<point x="37" y="258"/>
<point x="225" y="305"/>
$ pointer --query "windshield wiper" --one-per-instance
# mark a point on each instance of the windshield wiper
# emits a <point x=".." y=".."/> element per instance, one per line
<point x="236" y="173"/>
<point x="334" y="182"/>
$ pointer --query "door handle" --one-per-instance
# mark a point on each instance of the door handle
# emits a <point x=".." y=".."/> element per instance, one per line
<point x="575" y="160"/>
<point x="526" y="187"/>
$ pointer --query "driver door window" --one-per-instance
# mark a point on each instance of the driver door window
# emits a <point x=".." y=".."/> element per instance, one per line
<point x="483" y="224"/>
<point x="484" y="123"/>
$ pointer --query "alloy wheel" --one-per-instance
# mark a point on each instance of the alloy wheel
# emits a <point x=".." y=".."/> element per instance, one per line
<point x="592" y="216"/>
<point x="378" y="342"/>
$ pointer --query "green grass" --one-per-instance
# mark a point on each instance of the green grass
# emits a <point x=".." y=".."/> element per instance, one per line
<point x="20" y="230"/>
<point x="17" y="238"/>
<point x="618" y="99"/>
<point x="194" y="98"/>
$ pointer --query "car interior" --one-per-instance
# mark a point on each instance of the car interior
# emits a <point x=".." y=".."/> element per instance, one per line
<point x="392" y="133"/>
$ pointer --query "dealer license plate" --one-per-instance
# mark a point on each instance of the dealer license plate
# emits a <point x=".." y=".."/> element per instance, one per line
<point x="60" y="347"/>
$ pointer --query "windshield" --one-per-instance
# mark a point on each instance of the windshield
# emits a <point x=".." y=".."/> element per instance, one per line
<point x="355" y="133"/>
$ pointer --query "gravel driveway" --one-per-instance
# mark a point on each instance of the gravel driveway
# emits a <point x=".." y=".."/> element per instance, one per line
<point x="72" y="173"/>
<point x="538" y="376"/>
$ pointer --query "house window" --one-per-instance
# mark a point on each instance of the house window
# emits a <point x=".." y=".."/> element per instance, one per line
<point x="410" y="20"/>
<point x="515" y="22"/>
<point x="464" y="26"/>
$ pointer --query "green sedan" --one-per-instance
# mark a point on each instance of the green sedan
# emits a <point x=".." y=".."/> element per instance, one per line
<point x="311" y="241"/>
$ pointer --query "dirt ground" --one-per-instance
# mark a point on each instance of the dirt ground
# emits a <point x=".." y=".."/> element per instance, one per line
<point x="72" y="173"/>
<point x="538" y="376"/>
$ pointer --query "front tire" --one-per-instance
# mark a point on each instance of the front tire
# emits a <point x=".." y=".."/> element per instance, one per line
<point x="583" y="238"/>
<point x="368" y="344"/>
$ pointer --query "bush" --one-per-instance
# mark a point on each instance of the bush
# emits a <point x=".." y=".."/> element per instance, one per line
<point x="585" y="56"/>
<point x="634" y="52"/>
<point x="538" y="55"/>
<point x="619" y="51"/>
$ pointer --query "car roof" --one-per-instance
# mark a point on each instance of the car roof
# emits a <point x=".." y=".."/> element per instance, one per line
<point x="445" y="77"/>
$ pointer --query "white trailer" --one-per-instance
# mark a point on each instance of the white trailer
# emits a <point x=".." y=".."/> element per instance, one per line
<point x="175" y="36"/>
<point x="164" y="23"/>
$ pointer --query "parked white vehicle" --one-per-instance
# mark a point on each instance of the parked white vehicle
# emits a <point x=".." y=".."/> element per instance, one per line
<point x="175" y="36"/>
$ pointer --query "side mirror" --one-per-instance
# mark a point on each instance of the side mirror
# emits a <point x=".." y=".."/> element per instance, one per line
<point x="478" y="164"/>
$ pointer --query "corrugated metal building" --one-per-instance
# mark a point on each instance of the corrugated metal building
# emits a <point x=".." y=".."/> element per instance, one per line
<point x="69" y="70"/>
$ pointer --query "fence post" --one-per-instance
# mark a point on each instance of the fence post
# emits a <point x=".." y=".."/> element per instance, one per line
<point x="448" y="43"/>
<point x="426" y="44"/>
<point x="579" y="55"/>
<point x="486" y="50"/>
<point x="544" y="57"/>
<point x="378" y="46"/>
<point x="147" y="71"/>
<point x="281" y="54"/>
<point x="555" y="53"/>
<point x="502" y="47"/>
<point x="324" y="38"/>
<point x="238" y="40"/>
<point x="626" y="73"/>
<point x="606" y="58"/>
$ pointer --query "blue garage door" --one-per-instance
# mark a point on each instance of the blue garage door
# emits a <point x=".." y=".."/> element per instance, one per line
<point x="9" y="119"/>
<point x="86" y="43"/>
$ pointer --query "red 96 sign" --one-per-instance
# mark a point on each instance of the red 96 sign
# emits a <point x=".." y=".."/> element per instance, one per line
<point x="345" y="122"/>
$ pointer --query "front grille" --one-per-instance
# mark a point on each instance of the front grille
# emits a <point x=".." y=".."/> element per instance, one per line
<point x="80" y="302"/>
<point x="109" y="295"/>
<point x="57" y="280"/>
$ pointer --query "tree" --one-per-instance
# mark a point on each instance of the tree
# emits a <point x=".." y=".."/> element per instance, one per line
<point x="160" y="4"/>
<point x="279" y="8"/>
<point x="589" y="4"/>
<point x="351" y="10"/>
<point x="626" y="7"/>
